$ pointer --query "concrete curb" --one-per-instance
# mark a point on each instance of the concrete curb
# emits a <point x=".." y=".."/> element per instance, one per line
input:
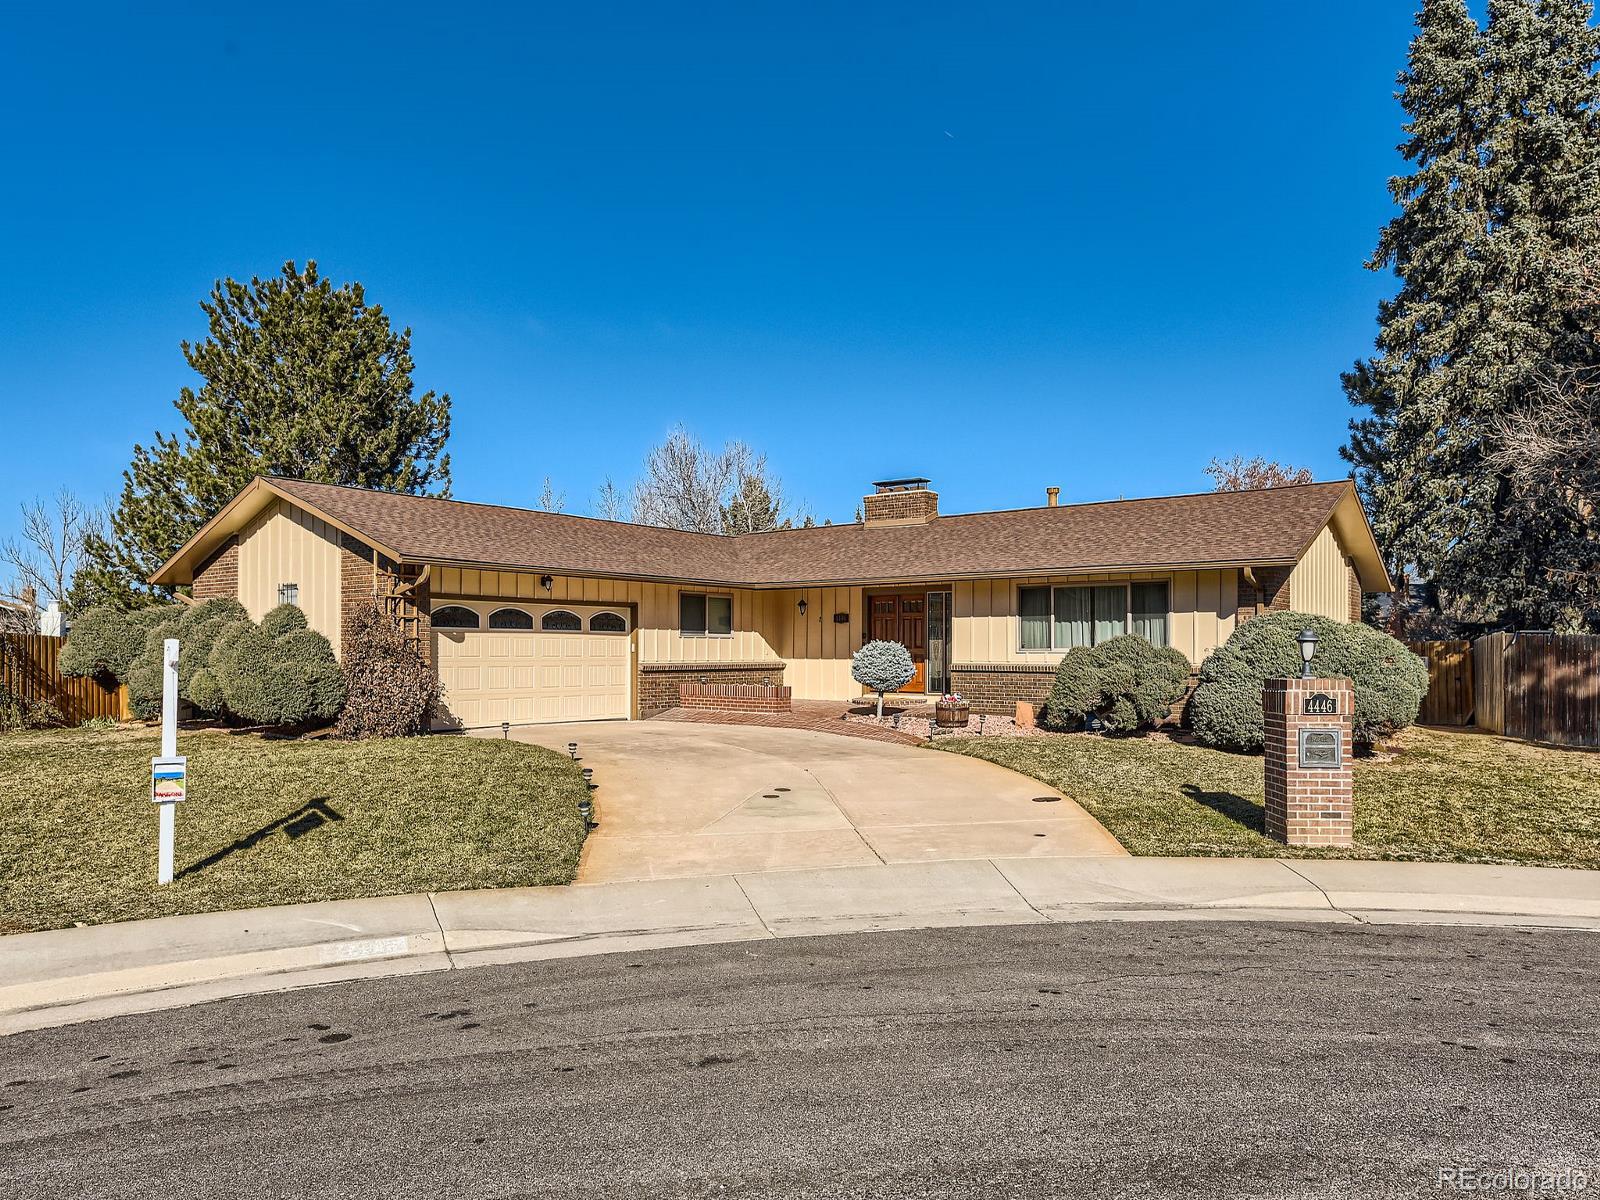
<point x="74" y="975"/>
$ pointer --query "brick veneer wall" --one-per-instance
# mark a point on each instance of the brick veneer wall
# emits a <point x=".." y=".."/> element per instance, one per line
<point x="997" y="687"/>
<point x="734" y="697"/>
<point x="919" y="504"/>
<point x="219" y="574"/>
<point x="1307" y="806"/>
<point x="355" y="580"/>
<point x="659" y="682"/>
<point x="1273" y="595"/>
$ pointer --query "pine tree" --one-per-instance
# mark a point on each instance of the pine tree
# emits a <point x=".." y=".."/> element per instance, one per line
<point x="1503" y="191"/>
<point x="301" y="379"/>
<point x="1425" y="329"/>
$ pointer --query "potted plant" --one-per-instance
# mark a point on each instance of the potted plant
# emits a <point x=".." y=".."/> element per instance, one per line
<point x="951" y="711"/>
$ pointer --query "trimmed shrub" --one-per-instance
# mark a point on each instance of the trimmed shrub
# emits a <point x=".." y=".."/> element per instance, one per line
<point x="104" y="641"/>
<point x="883" y="667"/>
<point x="1390" y="681"/>
<point x="287" y="680"/>
<point x="197" y="629"/>
<point x="1126" y="682"/>
<point x="389" y="688"/>
<point x="286" y="618"/>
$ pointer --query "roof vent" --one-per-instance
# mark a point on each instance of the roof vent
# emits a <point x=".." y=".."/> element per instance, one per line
<point x="1052" y="496"/>
<point x="901" y="502"/>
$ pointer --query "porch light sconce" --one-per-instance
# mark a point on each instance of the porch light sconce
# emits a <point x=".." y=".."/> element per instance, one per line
<point x="547" y="582"/>
<point x="1308" y="648"/>
<point x="802" y="606"/>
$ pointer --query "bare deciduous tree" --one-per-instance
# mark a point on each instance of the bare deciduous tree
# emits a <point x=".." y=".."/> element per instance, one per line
<point x="688" y="486"/>
<point x="44" y="557"/>
<point x="1240" y="474"/>
<point x="611" y="503"/>
<point x="551" y="500"/>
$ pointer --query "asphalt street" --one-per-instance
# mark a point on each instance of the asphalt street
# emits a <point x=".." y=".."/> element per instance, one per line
<point x="1181" y="1058"/>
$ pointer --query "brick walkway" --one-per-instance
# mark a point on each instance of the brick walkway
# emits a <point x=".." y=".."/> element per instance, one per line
<point x="818" y="716"/>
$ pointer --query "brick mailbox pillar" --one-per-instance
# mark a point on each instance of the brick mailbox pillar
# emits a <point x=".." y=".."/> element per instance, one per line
<point x="1308" y="747"/>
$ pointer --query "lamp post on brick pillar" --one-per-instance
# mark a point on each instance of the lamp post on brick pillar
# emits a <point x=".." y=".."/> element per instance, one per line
<point x="1308" y="749"/>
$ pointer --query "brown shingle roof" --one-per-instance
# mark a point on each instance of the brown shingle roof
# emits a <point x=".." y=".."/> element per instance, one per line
<point x="1220" y="528"/>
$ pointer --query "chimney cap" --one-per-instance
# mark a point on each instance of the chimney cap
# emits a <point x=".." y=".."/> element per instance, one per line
<point x="895" y="485"/>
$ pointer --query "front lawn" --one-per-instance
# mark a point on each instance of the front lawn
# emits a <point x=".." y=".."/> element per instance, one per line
<point x="274" y="822"/>
<point x="1455" y="797"/>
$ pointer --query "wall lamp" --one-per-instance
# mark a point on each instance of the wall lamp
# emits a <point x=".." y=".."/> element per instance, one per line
<point x="802" y="606"/>
<point x="547" y="582"/>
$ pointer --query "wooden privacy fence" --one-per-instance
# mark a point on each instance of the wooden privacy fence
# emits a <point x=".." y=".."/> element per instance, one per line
<point x="1541" y="687"/>
<point x="1450" y="674"/>
<point x="33" y="671"/>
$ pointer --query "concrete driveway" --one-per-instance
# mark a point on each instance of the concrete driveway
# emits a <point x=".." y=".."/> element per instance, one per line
<point x="684" y="800"/>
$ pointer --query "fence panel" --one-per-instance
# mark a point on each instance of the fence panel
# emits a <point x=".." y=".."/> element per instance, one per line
<point x="33" y="670"/>
<point x="1450" y="699"/>
<point x="1540" y="687"/>
<point x="1489" y="682"/>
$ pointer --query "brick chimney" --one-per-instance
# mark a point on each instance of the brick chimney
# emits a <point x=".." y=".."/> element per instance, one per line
<point x="900" y="502"/>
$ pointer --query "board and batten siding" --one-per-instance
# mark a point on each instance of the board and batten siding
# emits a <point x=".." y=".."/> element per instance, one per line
<point x="816" y="648"/>
<point x="1320" y="581"/>
<point x="657" y="604"/>
<point x="1202" y="611"/>
<point x="285" y="544"/>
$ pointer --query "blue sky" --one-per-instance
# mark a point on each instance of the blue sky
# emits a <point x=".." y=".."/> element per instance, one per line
<point x="1002" y="246"/>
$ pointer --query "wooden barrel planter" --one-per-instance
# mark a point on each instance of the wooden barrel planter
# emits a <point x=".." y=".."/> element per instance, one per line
<point x="951" y="715"/>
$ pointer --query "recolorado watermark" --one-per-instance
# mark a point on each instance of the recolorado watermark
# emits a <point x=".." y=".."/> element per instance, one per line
<point x="1515" y="1180"/>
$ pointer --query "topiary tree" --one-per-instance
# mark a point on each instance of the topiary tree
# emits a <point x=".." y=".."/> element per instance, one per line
<point x="197" y="629"/>
<point x="1126" y="682"/>
<point x="883" y="667"/>
<point x="1225" y="710"/>
<point x="389" y="687"/>
<point x="104" y="641"/>
<point x="291" y="679"/>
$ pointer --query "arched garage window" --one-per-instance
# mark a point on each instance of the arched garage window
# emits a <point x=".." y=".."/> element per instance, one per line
<point x="510" y="618"/>
<point x="560" y="621"/>
<point x="607" y="623"/>
<point x="453" y="616"/>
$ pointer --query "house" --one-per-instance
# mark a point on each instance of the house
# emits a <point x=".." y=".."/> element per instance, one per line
<point x="534" y="616"/>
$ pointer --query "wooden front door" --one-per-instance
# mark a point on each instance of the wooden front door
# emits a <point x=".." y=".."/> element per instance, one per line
<point x="903" y="617"/>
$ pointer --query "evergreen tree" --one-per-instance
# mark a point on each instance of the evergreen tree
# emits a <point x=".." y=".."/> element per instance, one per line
<point x="1505" y="187"/>
<point x="299" y="378"/>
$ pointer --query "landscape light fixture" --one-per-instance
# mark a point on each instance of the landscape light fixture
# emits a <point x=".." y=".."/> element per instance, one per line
<point x="588" y="777"/>
<point x="572" y="749"/>
<point x="1308" y="648"/>
<point x="505" y="730"/>
<point x="802" y="606"/>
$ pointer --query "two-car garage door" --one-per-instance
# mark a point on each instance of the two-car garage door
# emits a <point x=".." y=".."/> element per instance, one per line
<point x="530" y="663"/>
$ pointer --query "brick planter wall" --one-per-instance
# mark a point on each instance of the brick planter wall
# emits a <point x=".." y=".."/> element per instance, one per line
<point x="997" y="687"/>
<point x="734" y="697"/>
<point x="659" y="683"/>
<point x="219" y="574"/>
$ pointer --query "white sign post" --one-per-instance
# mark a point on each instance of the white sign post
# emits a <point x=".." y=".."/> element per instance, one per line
<point x="169" y="772"/>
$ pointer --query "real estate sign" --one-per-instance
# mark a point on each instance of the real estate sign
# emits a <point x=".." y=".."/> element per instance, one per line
<point x="169" y="777"/>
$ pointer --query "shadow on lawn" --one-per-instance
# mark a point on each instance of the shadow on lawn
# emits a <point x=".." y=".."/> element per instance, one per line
<point x="1235" y="807"/>
<point x="309" y="816"/>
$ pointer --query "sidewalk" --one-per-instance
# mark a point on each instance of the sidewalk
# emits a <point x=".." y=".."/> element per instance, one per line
<point x="107" y="970"/>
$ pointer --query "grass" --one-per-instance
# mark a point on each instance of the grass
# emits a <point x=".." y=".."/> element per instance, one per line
<point x="1433" y="796"/>
<point x="274" y="822"/>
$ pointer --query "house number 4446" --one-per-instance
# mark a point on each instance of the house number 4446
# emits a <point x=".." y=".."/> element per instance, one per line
<point x="1320" y="704"/>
